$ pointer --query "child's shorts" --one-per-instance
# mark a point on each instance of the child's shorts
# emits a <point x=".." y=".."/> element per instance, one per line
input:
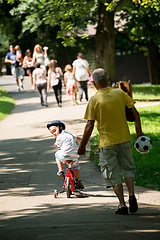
<point x="117" y="161"/>
<point x="62" y="157"/>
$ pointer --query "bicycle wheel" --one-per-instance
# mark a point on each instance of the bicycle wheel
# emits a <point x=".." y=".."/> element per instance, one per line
<point x="68" y="187"/>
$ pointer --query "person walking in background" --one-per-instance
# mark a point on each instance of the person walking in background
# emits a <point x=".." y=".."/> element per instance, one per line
<point x="39" y="56"/>
<point x="107" y="107"/>
<point x="55" y="75"/>
<point x="16" y="70"/>
<point x="82" y="72"/>
<point x="19" y="56"/>
<point x="27" y="64"/>
<point x="71" y="83"/>
<point x="40" y="81"/>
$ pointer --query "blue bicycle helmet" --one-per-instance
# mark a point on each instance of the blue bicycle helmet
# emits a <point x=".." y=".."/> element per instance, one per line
<point x="56" y="123"/>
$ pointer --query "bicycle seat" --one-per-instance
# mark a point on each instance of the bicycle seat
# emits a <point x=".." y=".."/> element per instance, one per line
<point x="68" y="161"/>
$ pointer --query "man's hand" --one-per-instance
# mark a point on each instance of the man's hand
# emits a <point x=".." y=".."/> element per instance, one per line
<point x="81" y="151"/>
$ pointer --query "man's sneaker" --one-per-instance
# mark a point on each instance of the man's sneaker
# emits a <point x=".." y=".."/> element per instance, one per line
<point x="78" y="184"/>
<point x="122" y="210"/>
<point x="60" y="173"/>
<point x="133" y="206"/>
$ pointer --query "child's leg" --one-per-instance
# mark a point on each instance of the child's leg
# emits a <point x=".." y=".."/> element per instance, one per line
<point x="76" y="169"/>
<point x="76" y="98"/>
<point x="59" y="157"/>
<point x="60" y="166"/>
<point x="72" y="98"/>
<point x="78" y="183"/>
<point x="77" y="174"/>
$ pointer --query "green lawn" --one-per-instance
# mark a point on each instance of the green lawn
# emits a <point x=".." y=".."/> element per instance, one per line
<point x="146" y="92"/>
<point x="147" y="165"/>
<point x="6" y="104"/>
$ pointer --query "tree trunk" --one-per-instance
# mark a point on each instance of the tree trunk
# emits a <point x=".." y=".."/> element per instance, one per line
<point x="105" y="42"/>
<point x="154" y="60"/>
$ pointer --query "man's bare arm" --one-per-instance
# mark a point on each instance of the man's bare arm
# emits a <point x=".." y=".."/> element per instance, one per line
<point x="137" y="123"/>
<point x="6" y="60"/>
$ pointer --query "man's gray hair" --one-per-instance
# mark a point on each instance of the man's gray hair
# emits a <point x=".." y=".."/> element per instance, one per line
<point x="99" y="75"/>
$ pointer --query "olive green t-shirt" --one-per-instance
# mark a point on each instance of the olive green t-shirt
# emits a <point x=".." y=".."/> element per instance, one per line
<point x="107" y="107"/>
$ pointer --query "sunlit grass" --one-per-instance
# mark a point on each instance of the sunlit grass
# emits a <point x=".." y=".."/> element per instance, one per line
<point x="148" y="165"/>
<point x="146" y="92"/>
<point x="6" y="104"/>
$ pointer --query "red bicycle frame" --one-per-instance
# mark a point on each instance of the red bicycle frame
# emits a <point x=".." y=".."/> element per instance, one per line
<point x="69" y="174"/>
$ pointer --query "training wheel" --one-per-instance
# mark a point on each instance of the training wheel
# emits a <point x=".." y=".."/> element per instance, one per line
<point x="55" y="193"/>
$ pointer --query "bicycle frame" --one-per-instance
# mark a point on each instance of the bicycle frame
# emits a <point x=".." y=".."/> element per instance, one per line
<point x="69" y="174"/>
<point x="69" y="183"/>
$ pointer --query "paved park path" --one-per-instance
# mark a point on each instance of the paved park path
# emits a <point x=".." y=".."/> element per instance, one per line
<point x="28" y="210"/>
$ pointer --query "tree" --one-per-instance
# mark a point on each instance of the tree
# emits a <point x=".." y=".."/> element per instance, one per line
<point x="11" y="33"/>
<point x="142" y="27"/>
<point x="105" y="41"/>
<point x="73" y="16"/>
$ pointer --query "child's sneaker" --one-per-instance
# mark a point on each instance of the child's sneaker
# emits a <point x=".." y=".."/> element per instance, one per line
<point x="60" y="173"/>
<point x="78" y="184"/>
<point x="76" y="102"/>
<point x="18" y="89"/>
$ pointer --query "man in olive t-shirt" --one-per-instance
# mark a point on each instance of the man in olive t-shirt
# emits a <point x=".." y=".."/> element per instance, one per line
<point x="107" y="108"/>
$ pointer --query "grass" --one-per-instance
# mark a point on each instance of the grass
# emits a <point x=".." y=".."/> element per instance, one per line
<point x="147" y="165"/>
<point x="6" y="104"/>
<point x="146" y="92"/>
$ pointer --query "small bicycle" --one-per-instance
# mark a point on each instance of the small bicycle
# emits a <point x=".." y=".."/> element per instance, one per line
<point x="69" y="182"/>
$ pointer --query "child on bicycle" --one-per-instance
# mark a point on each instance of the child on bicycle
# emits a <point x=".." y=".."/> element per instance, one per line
<point x="66" y="142"/>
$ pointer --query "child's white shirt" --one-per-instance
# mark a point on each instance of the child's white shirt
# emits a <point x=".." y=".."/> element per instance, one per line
<point x="66" y="142"/>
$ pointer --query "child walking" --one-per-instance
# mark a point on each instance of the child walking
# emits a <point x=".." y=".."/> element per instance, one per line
<point x="55" y="76"/>
<point x="66" y="142"/>
<point x="71" y="83"/>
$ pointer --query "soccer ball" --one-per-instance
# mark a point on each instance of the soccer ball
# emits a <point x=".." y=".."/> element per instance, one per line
<point x="143" y="144"/>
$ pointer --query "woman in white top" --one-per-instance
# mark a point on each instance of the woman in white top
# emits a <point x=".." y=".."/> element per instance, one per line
<point x="39" y="56"/>
<point x="82" y="72"/>
<point x="55" y="75"/>
<point x="71" y="83"/>
<point x="40" y="81"/>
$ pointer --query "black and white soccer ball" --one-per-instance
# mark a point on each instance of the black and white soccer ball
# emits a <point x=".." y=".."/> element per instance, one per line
<point x="143" y="144"/>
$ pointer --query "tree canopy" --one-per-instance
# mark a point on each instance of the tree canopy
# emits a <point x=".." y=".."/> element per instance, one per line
<point x="69" y="18"/>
